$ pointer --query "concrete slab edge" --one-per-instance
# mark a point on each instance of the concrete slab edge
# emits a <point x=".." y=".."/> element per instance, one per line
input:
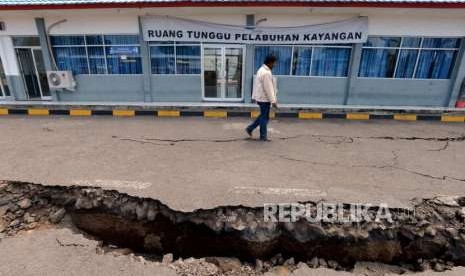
<point x="211" y="111"/>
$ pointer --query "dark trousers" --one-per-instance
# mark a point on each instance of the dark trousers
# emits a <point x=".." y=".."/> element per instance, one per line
<point x="262" y="119"/>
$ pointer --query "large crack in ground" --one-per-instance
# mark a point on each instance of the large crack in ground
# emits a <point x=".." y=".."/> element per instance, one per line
<point x="319" y="138"/>
<point x="394" y="165"/>
<point x="333" y="140"/>
<point x="172" y="142"/>
<point x="430" y="236"/>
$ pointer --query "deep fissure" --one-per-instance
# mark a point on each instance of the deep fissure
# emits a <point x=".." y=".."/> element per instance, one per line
<point x="434" y="231"/>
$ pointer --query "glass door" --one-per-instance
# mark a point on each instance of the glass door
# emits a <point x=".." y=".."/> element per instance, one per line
<point x="233" y="58"/>
<point x="222" y="72"/>
<point x="32" y="68"/>
<point x="212" y="72"/>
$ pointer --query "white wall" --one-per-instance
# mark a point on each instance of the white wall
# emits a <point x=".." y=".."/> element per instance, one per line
<point x="439" y="22"/>
<point x="380" y="22"/>
<point x="18" y="24"/>
<point x="423" y="25"/>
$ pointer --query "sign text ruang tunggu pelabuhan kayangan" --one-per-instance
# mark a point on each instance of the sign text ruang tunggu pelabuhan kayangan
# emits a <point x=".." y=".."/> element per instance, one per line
<point x="164" y="28"/>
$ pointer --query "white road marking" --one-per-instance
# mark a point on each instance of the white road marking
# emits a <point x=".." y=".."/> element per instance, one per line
<point x="277" y="191"/>
<point x="114" y="184"/>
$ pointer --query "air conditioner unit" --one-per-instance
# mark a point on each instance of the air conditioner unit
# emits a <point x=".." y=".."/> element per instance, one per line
<point x="60" y="79"/>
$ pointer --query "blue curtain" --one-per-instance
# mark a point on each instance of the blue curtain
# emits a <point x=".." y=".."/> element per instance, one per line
<point x="67" y="40"/>
<point x="382" y="41"/>
<point x="283" y="54"/>
<point x="301" y="61"/>
<point x="94" y="40"/>
<point x="435" y="59"/>
<point x="330" y="62"/>
<point x="123" y="54"/>
<point x="435" y="64"/>
<point x="188" y="60"/>
<point x="378" y="63"/>
<point x="71" y="58"/>
<point x="123" y="63"/>
<point x="123" y="59"/>
<point x="162" y="59"/>
<point x="441" y="43"/>
<point x="406" y="63"/>
<point x="121" y="39"/>
<point x="97" y="60"/>
<point x="411" y="42"/>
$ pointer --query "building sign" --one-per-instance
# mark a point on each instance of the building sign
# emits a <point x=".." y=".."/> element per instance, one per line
<point x="124" y="50"/>
<point x="165" y="28"/>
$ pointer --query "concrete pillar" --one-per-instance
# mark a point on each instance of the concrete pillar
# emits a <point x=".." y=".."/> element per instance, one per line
<point x="352" y="75"/>
<point x="46" y="54"/>
<point x="10" y="65"/>
<point x="457" y="77"/>
<point x="146" y="69"/>
<point x="249" y="63"/>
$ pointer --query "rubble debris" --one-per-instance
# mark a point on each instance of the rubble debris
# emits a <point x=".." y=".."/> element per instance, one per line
<point x="57" y="216"/>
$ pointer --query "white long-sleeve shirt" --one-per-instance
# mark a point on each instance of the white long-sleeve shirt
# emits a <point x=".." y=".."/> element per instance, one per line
<point x="264" y="89"/>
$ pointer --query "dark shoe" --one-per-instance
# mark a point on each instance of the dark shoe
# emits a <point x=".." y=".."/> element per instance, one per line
<point x="249" y="132"/>
<point x="265" y="139"/>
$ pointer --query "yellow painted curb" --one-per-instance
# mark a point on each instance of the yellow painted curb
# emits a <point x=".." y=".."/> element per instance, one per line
<point x="405" y="117"/>
<point x="357" y="116"/>
<point x="169" y="113"/>
<point x="80" y="112"/>
<point x="254" y="114"/>
<point x="452" y="119"/>
<point x="215" y="114"/>
<point x="38" y="112"/>
<point x="3" y="111"/>
<point x="123" y="113"/>
<point x="310" y="115"/>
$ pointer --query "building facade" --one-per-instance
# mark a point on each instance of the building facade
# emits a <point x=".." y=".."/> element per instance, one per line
<point x="413" y="54"/>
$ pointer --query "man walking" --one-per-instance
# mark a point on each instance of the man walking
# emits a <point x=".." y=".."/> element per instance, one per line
<point x="265" y="95"/>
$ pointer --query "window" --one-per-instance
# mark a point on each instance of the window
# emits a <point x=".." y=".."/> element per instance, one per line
<point x="330" y="62"/>
<point x="175" y="58"/>
<point x="318" y="60"/>
<point x="282" y="53"/>
<point x="25" y="41"/>
<point x="98" y="54"/>
<point x="301" y="58"/>
<point x="408" y="57"/>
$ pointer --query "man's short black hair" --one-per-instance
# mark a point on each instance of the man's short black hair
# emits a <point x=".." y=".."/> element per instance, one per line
<point x="270" y="59"/>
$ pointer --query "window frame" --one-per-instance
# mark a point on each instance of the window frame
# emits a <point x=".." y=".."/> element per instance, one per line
<point x="174" y="44"/>
<point x="312" y="47"/>
<point x="104" y="47"/>
<point x="419" y="49"/>
<point x="13" y="37"/>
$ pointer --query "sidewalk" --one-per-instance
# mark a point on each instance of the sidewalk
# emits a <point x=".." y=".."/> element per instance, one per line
<point x="194" y="163"/>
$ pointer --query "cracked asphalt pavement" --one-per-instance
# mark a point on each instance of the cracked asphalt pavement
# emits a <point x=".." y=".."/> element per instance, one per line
<point x="192" y="163"/>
